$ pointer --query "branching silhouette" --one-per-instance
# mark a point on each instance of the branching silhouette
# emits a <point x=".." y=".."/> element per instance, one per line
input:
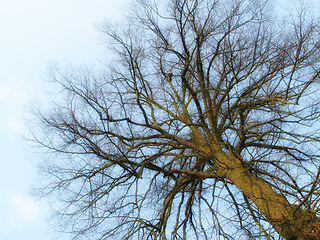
<point x="205" y="126"/>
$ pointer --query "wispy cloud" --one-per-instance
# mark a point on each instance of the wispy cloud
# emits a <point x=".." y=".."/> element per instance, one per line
<point x="18" y="211"/>
<point x="25" y="208"/>
<point x="13" y="98"/>
<point x="14" y="90"/>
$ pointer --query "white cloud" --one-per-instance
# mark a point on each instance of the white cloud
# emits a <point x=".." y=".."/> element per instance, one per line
<point x="14" y="90"/>
<point x="14" y="95"/>
<point x="18" y="211"/>
<point x="24" y="208"/>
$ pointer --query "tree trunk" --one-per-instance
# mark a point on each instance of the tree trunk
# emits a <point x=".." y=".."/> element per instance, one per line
<point x="290" y="223"/>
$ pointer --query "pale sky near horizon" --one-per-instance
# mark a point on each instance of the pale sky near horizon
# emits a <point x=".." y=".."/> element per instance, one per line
<point x="34" y="33"/>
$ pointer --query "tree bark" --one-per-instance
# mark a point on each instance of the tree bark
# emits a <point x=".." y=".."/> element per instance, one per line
<point x="290" y="222"/>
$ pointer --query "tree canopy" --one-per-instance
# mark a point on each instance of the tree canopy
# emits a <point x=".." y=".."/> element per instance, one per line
<point x="204" y="125"/>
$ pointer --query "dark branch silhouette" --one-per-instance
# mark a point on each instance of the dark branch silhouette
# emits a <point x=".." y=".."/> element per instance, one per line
<point x="204" y="127"/>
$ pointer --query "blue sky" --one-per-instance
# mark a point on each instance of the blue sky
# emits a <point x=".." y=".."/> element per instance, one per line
<point x="35" y="33"/>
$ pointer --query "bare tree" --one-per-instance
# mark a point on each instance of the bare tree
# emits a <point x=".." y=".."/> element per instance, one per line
<point x="204" y="126"/>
